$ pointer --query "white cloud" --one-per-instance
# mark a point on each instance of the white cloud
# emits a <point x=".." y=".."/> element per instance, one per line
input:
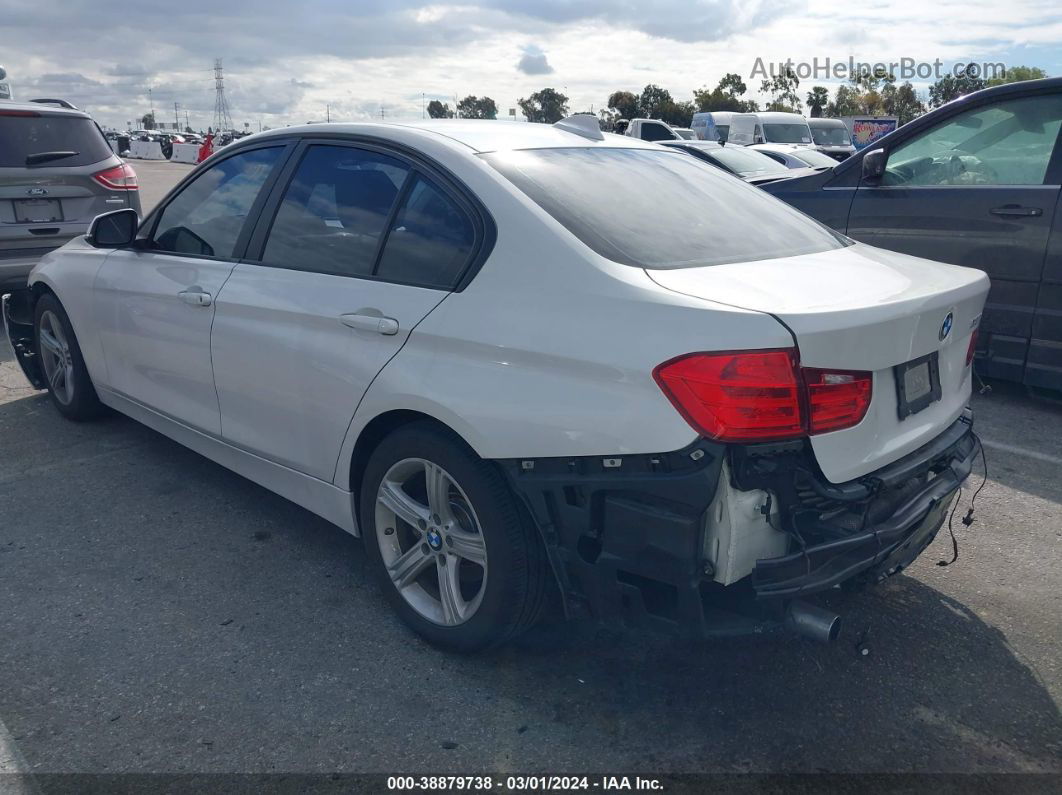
<point x="285" y="66"/>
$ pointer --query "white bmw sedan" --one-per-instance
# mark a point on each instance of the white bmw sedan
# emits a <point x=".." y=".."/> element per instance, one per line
<point x="530" y="363"/>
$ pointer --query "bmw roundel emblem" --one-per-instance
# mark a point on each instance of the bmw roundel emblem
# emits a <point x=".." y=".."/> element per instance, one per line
<point x="434" y="539"/>
<point x="945" y="327"/>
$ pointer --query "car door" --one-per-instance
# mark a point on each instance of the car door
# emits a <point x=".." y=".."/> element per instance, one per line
<point x="980" y="189"/>
<point x="360" y="244"/>
<point x="155" y="300"/>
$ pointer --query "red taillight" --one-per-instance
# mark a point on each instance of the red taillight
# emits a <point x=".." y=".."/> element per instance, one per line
<point x="836" y="398"/>
<point x="755" y="396"/>
<point x="972" y="348"/>
<point x="32" y="114"/>
<point x="118" y="178"/>
<point x="740" y="396"/>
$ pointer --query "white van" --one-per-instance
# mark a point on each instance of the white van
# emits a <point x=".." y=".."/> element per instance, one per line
<point x="712" y="125"/>
<point x="769" y="128"/>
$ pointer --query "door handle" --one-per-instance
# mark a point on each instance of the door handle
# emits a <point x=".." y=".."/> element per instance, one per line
<point x="1017" y="210"/>
<point x="196" y="297"/>
<point x="366" y="321"/>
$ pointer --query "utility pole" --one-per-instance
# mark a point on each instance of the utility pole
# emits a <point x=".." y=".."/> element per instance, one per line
<point x="328" y="113"/>
<point x="151" y="102"/>
<point x="222" y="116"/>
<point x="382" y="113"/>
<point x="422" y="104"/>
<point x="176" y="117"/>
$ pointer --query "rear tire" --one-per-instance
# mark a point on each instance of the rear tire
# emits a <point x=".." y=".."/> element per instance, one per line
<point x="454" y="555"/>
<point x="62" y="364"/>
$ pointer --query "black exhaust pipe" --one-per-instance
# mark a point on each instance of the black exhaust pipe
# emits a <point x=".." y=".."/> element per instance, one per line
<point x="812" y="621"/>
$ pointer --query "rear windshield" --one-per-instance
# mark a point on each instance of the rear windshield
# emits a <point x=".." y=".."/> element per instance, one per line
<point x="22" y="136"/>
<point x="831" y="136"/>
<point x="787" y="133"/>
<point x="746" y="161"/>
<point x="657" y="209"/>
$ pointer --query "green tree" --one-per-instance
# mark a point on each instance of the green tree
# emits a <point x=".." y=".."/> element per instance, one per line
<point x="725" y="96"/>
<point x="1016" y="74"/>
<point x="782" y="90"/>
<point x="950" y="87"/>
<point x="652" y="101"/>
<point x="439" y="110"/>
<point x="472" y="107"/>
<point x="623" y="103"/>
<point x="818" y="99"/>
<point x="845" y="102"/>
<point x="677" y="114"/>
<point x="147" y="121"/>
<point x="901" y="101"/>
<point x="546" y="106"/>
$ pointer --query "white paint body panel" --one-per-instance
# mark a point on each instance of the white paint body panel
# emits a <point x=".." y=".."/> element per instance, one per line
<point x="289" y="374"/>
<point x="548" y="351"/>
<point x="861" y="308"/>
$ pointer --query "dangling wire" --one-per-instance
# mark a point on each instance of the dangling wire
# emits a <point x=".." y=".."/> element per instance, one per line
<point x="954" y="543"/>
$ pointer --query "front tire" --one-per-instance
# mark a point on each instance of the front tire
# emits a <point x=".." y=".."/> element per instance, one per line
<point x="453" y="554"/>
<point x="62" y="364"/>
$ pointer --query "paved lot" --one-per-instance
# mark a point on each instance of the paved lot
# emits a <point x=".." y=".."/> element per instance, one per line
<point x="158" y="613"/>
<point x="156" y="178"/>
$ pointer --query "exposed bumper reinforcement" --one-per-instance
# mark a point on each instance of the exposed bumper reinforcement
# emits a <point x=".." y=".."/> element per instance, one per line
<point x="885" y="548"/>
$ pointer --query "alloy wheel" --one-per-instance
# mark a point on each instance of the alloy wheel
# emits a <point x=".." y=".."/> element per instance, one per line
<point x="56" y="357"/>
<point x="431" y="541"/>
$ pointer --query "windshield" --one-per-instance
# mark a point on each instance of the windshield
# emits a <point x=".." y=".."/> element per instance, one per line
<point x="682" y="213"/>
<point x="723" y="131"/>
<point x="831" y="136"/>
<point x="795" y="133"/>
<point x="746" y="162"/>
<point x="814" y="158"/>
<point x="22" y="136"/>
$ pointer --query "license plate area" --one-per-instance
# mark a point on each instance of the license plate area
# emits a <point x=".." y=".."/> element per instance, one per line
<point x="38" y="211"/>
<point x="917" y="384"/>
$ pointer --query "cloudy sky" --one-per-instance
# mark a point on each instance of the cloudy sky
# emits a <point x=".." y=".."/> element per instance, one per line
<point x="286" y="60"/>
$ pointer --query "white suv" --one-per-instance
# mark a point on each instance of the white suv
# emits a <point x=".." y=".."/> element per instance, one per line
<point x="524" y="360"/>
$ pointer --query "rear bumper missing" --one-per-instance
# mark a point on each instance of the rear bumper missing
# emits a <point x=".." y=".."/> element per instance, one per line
<point x="18" y="323"/>
<point x="626" y="536"/>
<point x="888" y="546"/>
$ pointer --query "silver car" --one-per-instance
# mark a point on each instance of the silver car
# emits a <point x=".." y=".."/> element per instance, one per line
<point x="57" y="173"/>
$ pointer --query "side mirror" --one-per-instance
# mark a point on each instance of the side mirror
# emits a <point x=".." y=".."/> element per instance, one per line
<point x="114" y="230"/>
<point x="874" y="164"/>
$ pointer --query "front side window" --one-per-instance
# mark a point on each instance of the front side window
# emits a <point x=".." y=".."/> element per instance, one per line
<point x="334" y="211"/>
<point x="206" y="217"/>
<point x="794" y="133"/>
<point x="684" y="213"/>
<point x="1007" y="143"/>
<point x="722" y="131"/>
<point x="657" y="132"/>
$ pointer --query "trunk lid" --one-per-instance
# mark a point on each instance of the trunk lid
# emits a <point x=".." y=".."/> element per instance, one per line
<point x="861" y="308"/>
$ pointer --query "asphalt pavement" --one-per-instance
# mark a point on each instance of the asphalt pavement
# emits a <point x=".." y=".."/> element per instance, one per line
<point x="161" y="614"/>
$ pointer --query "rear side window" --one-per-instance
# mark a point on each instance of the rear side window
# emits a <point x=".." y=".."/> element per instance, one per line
<point x="430" y="241"/>
<point x="206" y="217"/>
<point x="681" y="213"/>
<point x="335" y="210"/>
<point x="22" y="136"/>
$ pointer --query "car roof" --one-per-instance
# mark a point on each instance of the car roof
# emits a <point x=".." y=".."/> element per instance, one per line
<point x="480" y="135"/>
<point x="693" y="144"/>
<point x="778" y="116"/>
<point x="42" y="109"/>
<point x="822" y="121"/>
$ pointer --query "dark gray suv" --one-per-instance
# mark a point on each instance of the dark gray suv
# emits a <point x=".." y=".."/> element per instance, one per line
<point x="57" y="173"/>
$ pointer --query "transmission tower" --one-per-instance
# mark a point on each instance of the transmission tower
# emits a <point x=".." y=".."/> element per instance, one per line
<point x="222" y="117"/>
